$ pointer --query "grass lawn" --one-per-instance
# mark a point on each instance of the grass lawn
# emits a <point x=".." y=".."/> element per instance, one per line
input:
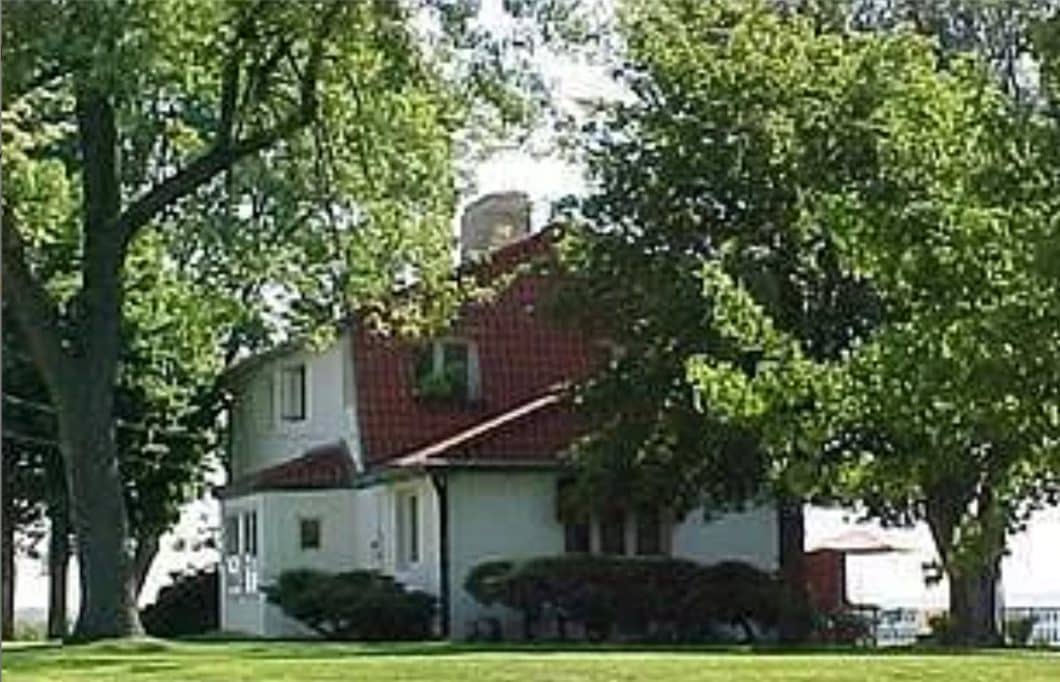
<point x="265" y="661"/>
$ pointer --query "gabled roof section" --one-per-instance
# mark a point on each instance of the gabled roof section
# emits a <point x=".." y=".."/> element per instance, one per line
<point x="521" y="355"/>
<point x="322" y="467"/>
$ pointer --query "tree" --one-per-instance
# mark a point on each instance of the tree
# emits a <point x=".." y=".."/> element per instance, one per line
<point x="127" y="126"/>
<point x="925" y="181"/>
<point x="692" y="172"/>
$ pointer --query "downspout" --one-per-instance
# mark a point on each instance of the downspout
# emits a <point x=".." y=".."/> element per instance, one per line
<point x="441" y="490"/>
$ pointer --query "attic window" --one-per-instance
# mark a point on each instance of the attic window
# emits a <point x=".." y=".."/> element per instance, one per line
<point x="292" y="393"/>
<point x="447" y="370"/>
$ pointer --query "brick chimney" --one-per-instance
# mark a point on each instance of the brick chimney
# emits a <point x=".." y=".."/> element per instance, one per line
<point x="491" y="221"/>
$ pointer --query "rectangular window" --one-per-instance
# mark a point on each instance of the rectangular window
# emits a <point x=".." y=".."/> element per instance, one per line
<point x="232" y="557"/>
<point x="408" y="535"/>
<point x="250" y="552"/>
<point x="292" y="393"/>
<point x="576" y="537"/>
<point x="613" y="533"/>
<point x="309" y="533"/>
<point x="446" y="371"/>
<point x="649" y="533"/>
<point x="456" y="366"/>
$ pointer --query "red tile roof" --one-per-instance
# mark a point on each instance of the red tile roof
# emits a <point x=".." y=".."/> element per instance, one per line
<point x="321" y="467"/>
<point x="522" y="356"/>
<point x="487" y="434"/>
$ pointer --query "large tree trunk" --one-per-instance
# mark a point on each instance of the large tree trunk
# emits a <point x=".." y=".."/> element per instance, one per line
<point x="973" y="606"/>
<point x="84" y="393"/>
<point x="972" y="584"/>
<point x="58" y="568"/>
<point x="794" y="621"/>
<point x="7" y="569"/>
<point x="100" y="521"/>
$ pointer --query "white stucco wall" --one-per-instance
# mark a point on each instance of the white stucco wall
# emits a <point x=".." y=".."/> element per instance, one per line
<point x="279" y="550"/>
<point x="497" y="515"/>
<point x="749" y="536"/>
<point x="261" y="438"/>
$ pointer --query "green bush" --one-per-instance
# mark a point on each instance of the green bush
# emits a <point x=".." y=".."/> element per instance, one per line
<point x="1019" y="630"/>
<point x="188" y="606"/>
<point x="943" y="631"/>
<point x="360" y="605"/>
<point x="647" y="597"/>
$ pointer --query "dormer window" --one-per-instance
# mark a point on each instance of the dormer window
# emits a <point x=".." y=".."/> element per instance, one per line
<point x="292" y="393"/>
<point x="447" y="371"/>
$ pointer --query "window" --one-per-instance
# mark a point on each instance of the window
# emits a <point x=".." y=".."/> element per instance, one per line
<point x="408" y="531"/>
<point x="447" y="370"/>
<point x="649" y="533"/>
<point x="292" y="393"/>
<point x="576" y="537"/>
<point x="250" y="551"/>
<point x="233" y="561"/>
<point x="241" y="552"/>
<point x="613" y="533"/>
<point x="309" y="533"/>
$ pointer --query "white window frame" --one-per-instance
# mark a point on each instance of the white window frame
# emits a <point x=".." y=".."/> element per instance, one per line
<point x="629" y="535"/>
<point x="241" y="544"/>
<point x="250" y="536"/>
<point x="282" y="414"/>
<point x="474" y="383"/>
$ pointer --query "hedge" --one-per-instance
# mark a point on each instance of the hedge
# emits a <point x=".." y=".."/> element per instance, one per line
<point x="652" y="597"/>
<point x="357" y="605"/>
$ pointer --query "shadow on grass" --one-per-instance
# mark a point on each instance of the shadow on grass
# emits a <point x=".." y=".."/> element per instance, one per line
<point x="113" y="652"/>
<point x="315" y="649"/>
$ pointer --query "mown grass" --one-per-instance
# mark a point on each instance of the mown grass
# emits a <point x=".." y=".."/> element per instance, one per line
<point x="158" y="661"/>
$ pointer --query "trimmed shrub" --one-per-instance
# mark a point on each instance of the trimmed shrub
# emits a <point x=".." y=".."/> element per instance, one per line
<point x="188" y="606"/>
<point x="360" y="605"/>
<point x="644" y="597"/>
<point x="1019" y="630"/>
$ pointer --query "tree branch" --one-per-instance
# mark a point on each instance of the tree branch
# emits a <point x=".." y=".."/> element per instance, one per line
<point x="225" y="153"/>
<point x="36" y="312"/>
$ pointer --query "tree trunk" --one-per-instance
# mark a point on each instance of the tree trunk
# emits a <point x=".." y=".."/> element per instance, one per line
<point x="7" y="569"/>
<point x="972" y="585"/>
<point x="58" y="567"/>
<point x="973" y="606"/>
<point x="97" y="511"/>
<point x="146" y="551"/>
<point x="794" y="623"/>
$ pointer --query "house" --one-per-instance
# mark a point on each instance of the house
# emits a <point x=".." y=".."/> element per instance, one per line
<point x="424" y="459"/>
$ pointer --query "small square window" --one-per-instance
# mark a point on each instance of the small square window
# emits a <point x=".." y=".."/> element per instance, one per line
<point x="292" y="393"/>
<point x="309" y="533"/>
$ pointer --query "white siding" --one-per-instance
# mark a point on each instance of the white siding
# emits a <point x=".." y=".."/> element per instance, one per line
<point x="260" y="438"/>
